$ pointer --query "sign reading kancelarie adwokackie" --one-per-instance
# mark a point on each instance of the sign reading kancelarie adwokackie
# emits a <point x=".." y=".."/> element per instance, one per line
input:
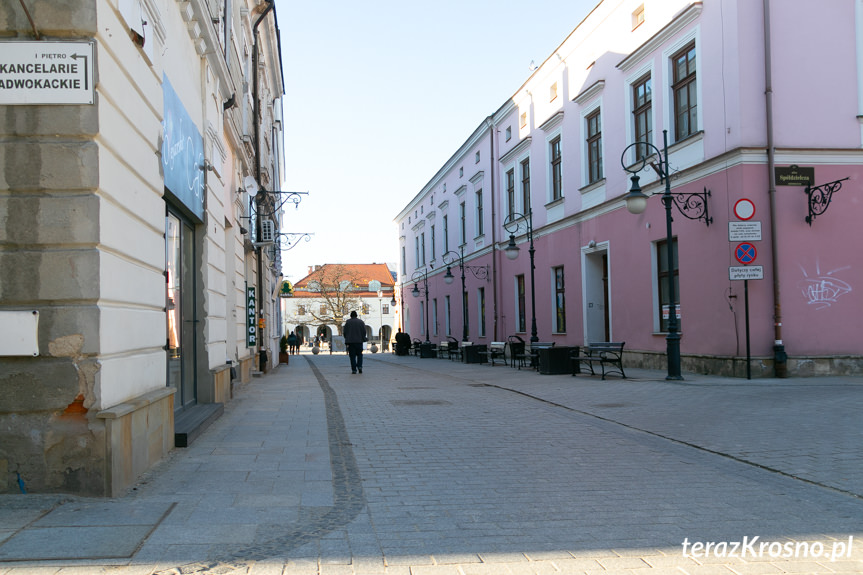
<point x="46" y="73"/>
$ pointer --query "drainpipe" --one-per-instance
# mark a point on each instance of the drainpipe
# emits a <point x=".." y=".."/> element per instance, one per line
<point x="263" y="359"/>
<point x="492" y="166"/>
<point x="780" y="358"/>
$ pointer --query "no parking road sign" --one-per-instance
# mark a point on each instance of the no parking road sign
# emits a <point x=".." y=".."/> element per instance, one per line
<point x="745" y="253"/>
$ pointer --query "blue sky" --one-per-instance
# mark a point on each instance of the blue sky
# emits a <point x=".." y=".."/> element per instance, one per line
<point x="379" y="95"/>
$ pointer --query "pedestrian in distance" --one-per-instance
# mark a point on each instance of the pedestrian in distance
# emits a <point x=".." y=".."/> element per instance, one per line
<point x="403" y="343"/>
<point x="293" y="343"/>
<point x="355" y="335"/>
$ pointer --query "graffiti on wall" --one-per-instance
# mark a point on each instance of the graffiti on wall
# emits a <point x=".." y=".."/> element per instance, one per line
<point x="823" y="289"/>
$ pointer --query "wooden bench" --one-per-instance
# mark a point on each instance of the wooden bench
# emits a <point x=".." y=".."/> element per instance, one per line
<point x="535" y="346"/>
<point x="495" y="350"/>
<point x="516" y="351"/>
<point x="608" y="354"/>
<point x="443" y="350"/>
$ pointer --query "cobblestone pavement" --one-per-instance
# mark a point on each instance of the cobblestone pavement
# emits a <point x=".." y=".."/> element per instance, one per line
<point x="426" y="466"/>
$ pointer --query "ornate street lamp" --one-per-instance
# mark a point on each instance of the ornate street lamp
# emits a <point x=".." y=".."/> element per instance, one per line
<point x="416" y="293"/>
<point x="691" y="205"/>
<point x="513" y="223"/>
<point x="479" y="272"/>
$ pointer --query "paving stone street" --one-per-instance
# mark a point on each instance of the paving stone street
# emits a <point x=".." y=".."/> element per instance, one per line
<point x="428" y="466"/>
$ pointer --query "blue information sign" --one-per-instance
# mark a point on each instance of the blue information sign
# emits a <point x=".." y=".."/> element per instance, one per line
<point x="182" y="153"/>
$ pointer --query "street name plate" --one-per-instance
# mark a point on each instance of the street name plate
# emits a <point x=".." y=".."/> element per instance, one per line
<point x="46" y="73"/>
<point x="744" y="231"/>
<point x="746" y="272"/>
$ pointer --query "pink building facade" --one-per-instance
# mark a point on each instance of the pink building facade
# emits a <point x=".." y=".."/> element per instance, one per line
<point x="755" y="107"/>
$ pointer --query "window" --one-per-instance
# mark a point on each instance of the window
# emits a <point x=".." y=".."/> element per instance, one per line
<point x="434" y="316"/>
<point x="462" y="224"/>
<point x="481" y="301"/>
<point x="556" y="176"/>
<point x="638" y="17"/>
<point x="466" y="327"/>
<point x="366" y="309"/>
<point x="301" y="310"/>
<point x="642" y="103"/>
<point x="521" y="314"/>
<point x="559" y="301"/>
<point x="476" y="159"/>
<point x="423" y="248"/>
<point x="385" y="309"/>
<point x="662" y="275"/>
<point x="433" y="255"/>
<point x="323" y="309"/>
<point x="461" y="172"/>
<point x="404" y="262"/>
<point x="480" y="229"/>
<point x="447" y="325"/>
<point x="417" y="251"/>
<point x="525" y="186"/>
<point x="508" y="133"/>
<point x="552" y="92"/>
<point x="523" y="119"/>
<point x="594" y="146"/>
<point x="685" y="94"/>
<point x="423" y="318"/>
<point x="510" y="192"/>
<point x="445" y="233"/>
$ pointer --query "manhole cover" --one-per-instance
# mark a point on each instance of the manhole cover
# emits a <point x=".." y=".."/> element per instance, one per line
<point x="419" y="402"/>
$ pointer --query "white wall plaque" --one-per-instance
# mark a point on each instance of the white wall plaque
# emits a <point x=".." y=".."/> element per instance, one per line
<point x="19" y="333"/>
<point x="46" y="73"/>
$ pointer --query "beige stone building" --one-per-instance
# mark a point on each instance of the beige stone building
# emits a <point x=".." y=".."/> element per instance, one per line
<point x="138" y="141"/>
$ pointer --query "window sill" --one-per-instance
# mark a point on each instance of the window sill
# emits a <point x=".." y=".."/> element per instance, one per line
<point x="554" y="203"/>
<point x="592" y="186"/>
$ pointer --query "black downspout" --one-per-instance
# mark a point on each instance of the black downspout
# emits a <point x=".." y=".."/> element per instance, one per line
<point x="263" y="359"/>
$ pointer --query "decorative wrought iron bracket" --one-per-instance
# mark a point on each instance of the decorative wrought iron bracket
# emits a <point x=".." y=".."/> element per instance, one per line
<point x="693" y="205"/>
<point x="289" y="240"/>
<point x="819" y="198"/>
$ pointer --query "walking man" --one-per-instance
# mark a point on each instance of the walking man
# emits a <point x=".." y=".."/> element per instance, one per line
<point x="355" y="335"/>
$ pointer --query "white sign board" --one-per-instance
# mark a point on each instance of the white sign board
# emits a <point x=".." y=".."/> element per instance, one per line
<point x="46" y="73"/>
<point x="746" y="272"/>
<point x="19" y="333"/>
<point x="744" y="231"/>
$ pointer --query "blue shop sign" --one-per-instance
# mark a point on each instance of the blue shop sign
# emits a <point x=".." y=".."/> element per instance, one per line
<point x="182" y="153"/>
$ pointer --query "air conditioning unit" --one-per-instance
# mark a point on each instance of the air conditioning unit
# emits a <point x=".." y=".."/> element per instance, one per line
<point x="268" y="231"/>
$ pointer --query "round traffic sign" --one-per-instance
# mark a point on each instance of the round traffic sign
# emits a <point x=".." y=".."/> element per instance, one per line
<point x="745" y="253"/>
<point x="744" y="209"/>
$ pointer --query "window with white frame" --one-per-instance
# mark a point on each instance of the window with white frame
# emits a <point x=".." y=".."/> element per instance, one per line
<point x="525" y="185"/>
<point x="433" y="254"/>
<point x="423" y="248"/>
<point x="555" y="168"/>
<point x="445" y="233"/>
<point x="434" y="317"/>
<point x="417" y="251"/>
<point x="479" y="215"/>
<point x="520" y="312"/>
<point x="462" y="224"/>
<point x="642" y="115"/>
<point x="684" y="90"/>
<point x="510" y="192"/>
<point x="593" y="128"/>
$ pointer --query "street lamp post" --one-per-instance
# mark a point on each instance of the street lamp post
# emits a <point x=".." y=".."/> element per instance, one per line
<point x="513" y="224"/>
<point x="479" y="272"/>
<point x="416" y="293"/>
<point x="691" y="205"/>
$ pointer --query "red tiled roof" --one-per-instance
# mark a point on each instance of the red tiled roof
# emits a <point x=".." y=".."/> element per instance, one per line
<point x="360" y="274"/>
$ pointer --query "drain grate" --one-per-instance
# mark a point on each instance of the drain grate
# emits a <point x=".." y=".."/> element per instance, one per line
<point x="419" y="402"/>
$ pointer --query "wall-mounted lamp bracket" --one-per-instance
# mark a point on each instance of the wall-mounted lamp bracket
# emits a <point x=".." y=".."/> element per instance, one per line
<point x="819" y="198"/>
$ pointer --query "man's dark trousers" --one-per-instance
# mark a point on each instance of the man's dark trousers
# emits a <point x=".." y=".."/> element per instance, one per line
<point x="355" y="352"/>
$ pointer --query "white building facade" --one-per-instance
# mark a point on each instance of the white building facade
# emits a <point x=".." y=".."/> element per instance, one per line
<point x="129" y="233"/>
